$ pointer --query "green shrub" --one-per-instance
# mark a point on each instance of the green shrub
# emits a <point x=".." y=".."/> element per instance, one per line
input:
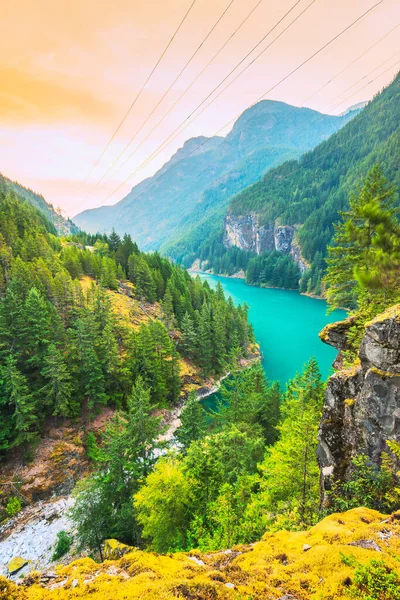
<point x="373" y="581"/>
<point x="64" y="542"/>
<point x="14" y="506"/>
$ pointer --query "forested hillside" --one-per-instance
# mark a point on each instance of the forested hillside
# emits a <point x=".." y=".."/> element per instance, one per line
<point x="63" y="225"/>
<point x="64" y="349"/>
<point x="312" y="191"/>
<point x="205" y="174"/>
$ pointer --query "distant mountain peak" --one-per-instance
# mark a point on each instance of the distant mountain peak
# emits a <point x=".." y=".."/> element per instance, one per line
<point x="359" y="106"/>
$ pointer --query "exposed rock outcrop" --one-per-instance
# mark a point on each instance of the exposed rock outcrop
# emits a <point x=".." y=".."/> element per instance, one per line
<point x="246" y="233"/>
<point x="362" y="404"/>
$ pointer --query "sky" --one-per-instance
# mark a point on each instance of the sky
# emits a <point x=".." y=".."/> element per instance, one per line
<point x="70" y="70"/>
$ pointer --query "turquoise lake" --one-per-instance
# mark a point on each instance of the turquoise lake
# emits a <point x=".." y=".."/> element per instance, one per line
<point x="286" y="325"/>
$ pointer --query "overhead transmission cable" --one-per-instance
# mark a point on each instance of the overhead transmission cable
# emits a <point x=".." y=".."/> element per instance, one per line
<point x="331" y="41"/>
<point x="350" y="64"/>
<point x="369" y="83"/>
<point x="166" y="92"/>
<point x="360" y="80"/>
<point x="142" y="89"/>
<point x="189" y="87"/>
<point x="228" y="75"/>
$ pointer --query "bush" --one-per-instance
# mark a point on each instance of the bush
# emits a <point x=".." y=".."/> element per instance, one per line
<point x="373" y="581"/>
<point x="64" y="542"/>
<point x="14" y="506"/>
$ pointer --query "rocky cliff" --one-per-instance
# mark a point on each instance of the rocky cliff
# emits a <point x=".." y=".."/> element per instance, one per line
<point x="362" y="403"/>
<point x="245" y="232"/>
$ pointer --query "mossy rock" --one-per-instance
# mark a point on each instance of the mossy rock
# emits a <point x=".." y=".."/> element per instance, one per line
<point x="16" y="564"/>
<point x="113" y="549"/>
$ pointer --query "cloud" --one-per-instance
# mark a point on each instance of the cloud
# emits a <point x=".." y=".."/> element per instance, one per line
<point x="25" y="97"/>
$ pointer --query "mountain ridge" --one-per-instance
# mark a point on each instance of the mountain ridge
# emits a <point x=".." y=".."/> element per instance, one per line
<point x="63" y="225"/>
<point x="156" y="209"/>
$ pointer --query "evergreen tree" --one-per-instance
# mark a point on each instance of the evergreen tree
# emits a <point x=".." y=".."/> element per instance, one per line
<point x="290" y="473"/>
<point x="17" y="394"/>
<point x="204" y="343"/>
<point x="365" y="247"/>
<point x="58" y="390"/>
<point x="114" y="241"/>
<point x="188" y="339"/>
<point x="193" y="422"/>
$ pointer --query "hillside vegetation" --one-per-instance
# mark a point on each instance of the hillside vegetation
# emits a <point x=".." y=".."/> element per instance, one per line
<point x="313" y="190"/>
<point x="65" y="352"/>
<point x="62" y="225"/>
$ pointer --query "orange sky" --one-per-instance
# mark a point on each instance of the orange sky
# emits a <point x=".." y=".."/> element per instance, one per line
<point x="70" y="69"/>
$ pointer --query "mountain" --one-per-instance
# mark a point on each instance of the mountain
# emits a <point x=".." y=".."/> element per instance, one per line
<point x="358" y="106"/>
<point x="63" y="226"/>
<point x="292" y="209"/>
<point x="207" y="172"/>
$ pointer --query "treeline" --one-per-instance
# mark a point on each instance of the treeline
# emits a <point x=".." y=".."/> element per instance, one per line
<point x="273" y="269"/>
<point x="62" y="350"/>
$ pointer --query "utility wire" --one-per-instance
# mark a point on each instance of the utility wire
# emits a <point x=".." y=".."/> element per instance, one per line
<point x="300" y="164"/>
<point x="211" y="93"/>
<point x="350" y="64"/>
<point x="166" y="92"/>
<point x="369" y="83"/>
<point x="360" y="80"/>
<point x="227" y="77"/>
<point x="331" y="41"/>
<point x="191" y="84"/>
<point x="141" y="89"/>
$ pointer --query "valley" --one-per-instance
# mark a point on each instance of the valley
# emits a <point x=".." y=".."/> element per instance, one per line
<point x="200" y="371"/>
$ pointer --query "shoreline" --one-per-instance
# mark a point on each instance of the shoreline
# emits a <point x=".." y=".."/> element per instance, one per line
<point x="262" y="287"/>
<point x="172" y="420"/>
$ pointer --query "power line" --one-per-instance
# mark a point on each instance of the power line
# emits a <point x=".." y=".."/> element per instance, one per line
<point x="192" y="83"/>
<point x="369" y="83"/>
<point x="350" y="64"/>
<point x="166" y="92"/>
<point x="225" y="78"/>
<point x="360" y="80"/>
<point x="142" y="88"/>
<point x="258" y="100"/>
<point x="229" y="84"/>
<point x="310" y="162"/>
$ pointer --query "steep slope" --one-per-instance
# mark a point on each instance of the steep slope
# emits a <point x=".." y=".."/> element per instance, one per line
<point x="159" y="208"/>
<point x="307" y="195"/>
<point x="347" y="555"/>
<point x="64" y="226"/>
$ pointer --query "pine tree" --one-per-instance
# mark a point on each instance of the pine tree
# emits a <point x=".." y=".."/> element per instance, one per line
<point x="18" y="396"/>
<point x="365" y="246"/>
<point x="290" y="482"/>
<point x="193" y="422"/>
<point x="40" y="322"/>
<point x="188" y="339"/>
<point x="204" y="340"/>
<point x="58" y="390"/>
<point x="114" y="241"/>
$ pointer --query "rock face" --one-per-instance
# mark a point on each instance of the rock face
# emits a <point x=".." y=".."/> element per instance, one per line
<point x="30" y="543"/>
<point x="362" y="404"/>
<point x="245" y="232"/>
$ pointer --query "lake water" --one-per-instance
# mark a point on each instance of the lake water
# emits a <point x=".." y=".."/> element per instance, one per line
<point x="286" y="325"/>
